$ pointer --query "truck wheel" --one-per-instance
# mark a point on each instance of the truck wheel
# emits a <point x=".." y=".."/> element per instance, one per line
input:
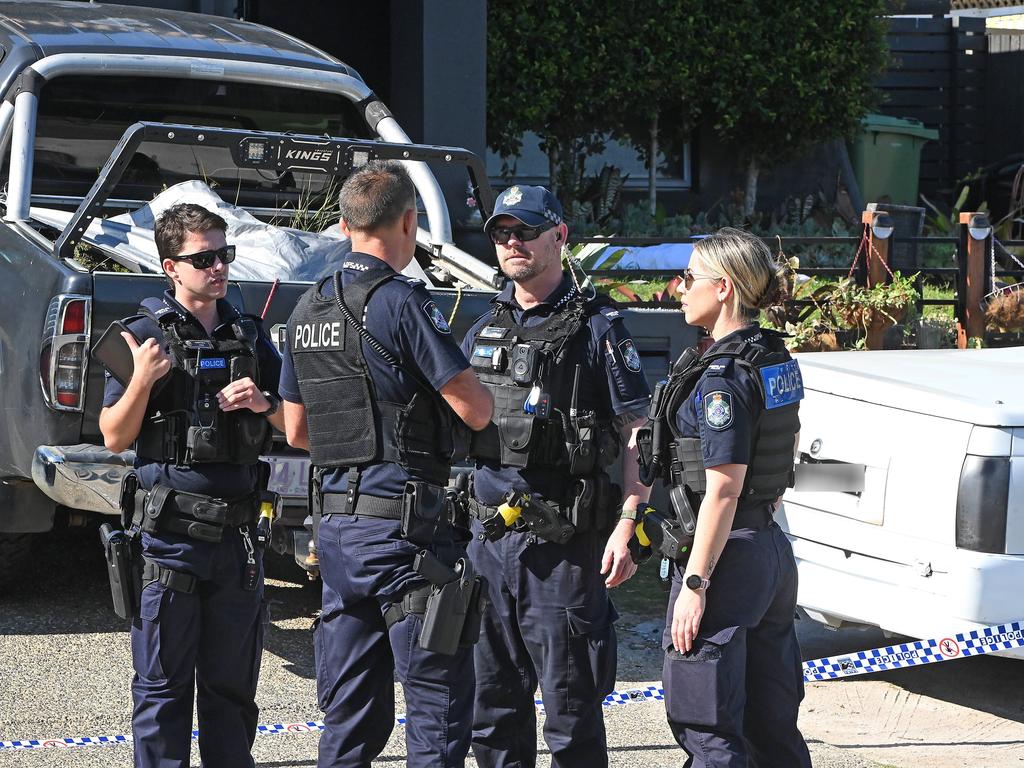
<point x="14" y="551"/>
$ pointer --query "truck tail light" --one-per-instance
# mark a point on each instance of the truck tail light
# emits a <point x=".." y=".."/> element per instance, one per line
<point x="63" y="357"/>
<point x="982" y="502"/>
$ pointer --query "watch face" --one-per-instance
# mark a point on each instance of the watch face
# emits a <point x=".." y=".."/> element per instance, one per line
<point x="693" y="581"/>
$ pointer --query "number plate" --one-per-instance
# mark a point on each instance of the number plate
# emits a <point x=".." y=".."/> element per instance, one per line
<point x="289" y="476"/>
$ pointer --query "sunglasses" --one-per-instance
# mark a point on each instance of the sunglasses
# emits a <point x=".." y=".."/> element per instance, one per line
<point x="501" y="235"/>
<point x="689" y="277"/>
<point x="205" y="259"/>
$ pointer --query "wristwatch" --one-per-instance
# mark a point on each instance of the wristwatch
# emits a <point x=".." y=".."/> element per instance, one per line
<point x="695" y="582"/>
<point x="275" y="403"/>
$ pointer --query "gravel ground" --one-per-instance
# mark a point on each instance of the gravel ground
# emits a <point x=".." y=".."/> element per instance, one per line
<point x="65" y="670"/>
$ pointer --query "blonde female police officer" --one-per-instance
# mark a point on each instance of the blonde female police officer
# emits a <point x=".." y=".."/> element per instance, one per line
<point x="732" y="671"/>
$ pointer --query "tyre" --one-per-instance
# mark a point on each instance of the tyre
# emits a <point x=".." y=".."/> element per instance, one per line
<point x="14" y="552"/>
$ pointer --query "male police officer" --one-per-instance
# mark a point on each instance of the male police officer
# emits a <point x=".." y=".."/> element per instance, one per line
<point x="368" y="353"/>
<point x="569" y="392"/>
<point x="197" y="409"/>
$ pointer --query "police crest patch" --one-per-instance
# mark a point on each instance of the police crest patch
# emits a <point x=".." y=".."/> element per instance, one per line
<point x="718" y="409"/>
<point x="512" y="196"/>
<point x="629" y="355"/>
<point x="436" y="318"/>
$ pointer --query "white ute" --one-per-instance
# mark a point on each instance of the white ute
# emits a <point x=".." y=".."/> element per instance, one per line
<point x="928" y="539"/>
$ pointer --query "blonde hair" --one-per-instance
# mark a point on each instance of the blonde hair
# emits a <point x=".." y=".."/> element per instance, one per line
<point x="759" y="281"/>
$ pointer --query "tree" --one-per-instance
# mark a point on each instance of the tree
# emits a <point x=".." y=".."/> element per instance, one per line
<point x="551" y="70"/>
<point x="662" y="79"/>
<point x="796" y="76"/>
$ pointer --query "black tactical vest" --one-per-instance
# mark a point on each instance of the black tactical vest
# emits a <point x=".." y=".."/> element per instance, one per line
<point x="183" y="424"/>
<point x="678" y="460"/>
<point x="349" y="426"/>
<point x="544" y="415"/>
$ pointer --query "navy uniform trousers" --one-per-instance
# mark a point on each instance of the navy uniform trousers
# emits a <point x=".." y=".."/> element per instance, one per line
<point x="550" y="621"/>
<point x="732" y="702"/>
<point x="365" y="566"/>
<point x="206" y="644"/>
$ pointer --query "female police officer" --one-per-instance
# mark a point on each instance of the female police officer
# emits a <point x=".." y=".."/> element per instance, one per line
<point x="732" y="671"/>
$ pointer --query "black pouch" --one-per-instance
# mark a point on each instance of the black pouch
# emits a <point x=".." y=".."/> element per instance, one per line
<point x="422" y="507"/>
<point x="580" y="443"/>
<point x="156" y="500"/>
<point x="127" y="498"/>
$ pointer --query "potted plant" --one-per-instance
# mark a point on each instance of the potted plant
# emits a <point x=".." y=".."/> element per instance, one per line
<point x="858" y="307"/>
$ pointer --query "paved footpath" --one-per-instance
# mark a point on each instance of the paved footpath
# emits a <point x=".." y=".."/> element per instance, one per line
<point x="65" y="671"/>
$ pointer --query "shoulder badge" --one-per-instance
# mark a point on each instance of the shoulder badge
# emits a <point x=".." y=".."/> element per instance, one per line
<point x="512" y="196"/>
<point x="718" y="409"/>
<point x="436" y="317"/>
<point x="629" y="355"/>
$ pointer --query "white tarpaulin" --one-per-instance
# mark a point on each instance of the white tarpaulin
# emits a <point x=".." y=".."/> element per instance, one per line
<point x="664" y="257"/>
<point x="264" y="252"/>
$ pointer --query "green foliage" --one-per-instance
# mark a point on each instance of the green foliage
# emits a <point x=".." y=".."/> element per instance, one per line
<point x="548" y="71"/>
<point x="797" y="75"/>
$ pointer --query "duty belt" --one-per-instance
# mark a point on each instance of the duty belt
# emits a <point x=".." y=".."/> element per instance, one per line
<point x="365" y="506"/>
<point x="192" y="514"/>
<point x="754" y="517"/>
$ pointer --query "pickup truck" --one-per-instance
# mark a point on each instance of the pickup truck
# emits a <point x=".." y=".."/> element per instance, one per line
<point x="170" y="104"/>
<point x="925" y="535"/>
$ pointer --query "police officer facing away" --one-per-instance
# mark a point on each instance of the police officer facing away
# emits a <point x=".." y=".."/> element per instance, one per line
<point x="569" y="391"/>
<point x="197" y="408"/>
<point x="377" y="390"/>
<point x="732" y="673"/>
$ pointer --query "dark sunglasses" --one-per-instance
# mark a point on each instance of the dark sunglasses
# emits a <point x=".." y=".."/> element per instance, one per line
<point x="689" y="277"/>
<point x="501" y="235"/>
<point x="205" y="259"/>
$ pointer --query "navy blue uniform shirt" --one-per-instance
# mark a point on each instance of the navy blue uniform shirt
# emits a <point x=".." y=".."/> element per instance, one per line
<point x="610" y="366"/>
<point x="401" y="315"/>
<point x="724" y="407"/>
<point x="214" y="479"/>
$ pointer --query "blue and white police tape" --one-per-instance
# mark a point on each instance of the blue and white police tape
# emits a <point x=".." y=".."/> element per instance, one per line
<point x="956" y="646"/>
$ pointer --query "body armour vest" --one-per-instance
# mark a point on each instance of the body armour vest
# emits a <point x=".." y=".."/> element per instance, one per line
<point x="348" y="425"/>
<point x="678" y="460"/>
<point x="543" y="414"/>
<point x="183" y="424"/>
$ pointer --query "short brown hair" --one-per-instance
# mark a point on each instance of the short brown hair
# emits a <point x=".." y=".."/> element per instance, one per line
<point x="376" y="195"/>
<point x="178" y="222"/>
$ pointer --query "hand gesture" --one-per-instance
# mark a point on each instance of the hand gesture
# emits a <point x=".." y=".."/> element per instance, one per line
<point x="686" y="616"/>
<point x="150" y="360"/>
<point x="242" y="393"/>
<point x="617" y="562"/>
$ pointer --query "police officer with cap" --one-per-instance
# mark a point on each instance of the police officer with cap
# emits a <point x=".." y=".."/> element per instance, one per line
<point x="551" y="530"/>
<point x="198" y="407"/>
<point x="377" y="390"/>
<point x="729" y="420"/>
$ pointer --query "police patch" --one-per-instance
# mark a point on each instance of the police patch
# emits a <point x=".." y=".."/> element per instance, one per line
<point x="629" y="355"/>
<point x="512" y="196"/>
<point x="436" y="318"/>
<point x="718" y="409"/>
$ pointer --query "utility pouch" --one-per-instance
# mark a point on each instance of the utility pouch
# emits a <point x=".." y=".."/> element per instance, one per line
<point x="547" y="522"/>
<point x="422" y="506"/>
<point x="126" y="498"/>
<point x="156" y="500"/>
<point x="478" y="604"/>
<point x="579" y="443"/>
<point x="122" y="570"/>
<point x="645" y="447"/>
<point x="447" y="609"/>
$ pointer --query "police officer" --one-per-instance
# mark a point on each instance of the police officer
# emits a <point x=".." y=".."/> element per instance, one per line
<point x="569" y="391"/>
<point x="732" y="672"/>
<point x="377" y="390"/>
<point x="198" y="407"/>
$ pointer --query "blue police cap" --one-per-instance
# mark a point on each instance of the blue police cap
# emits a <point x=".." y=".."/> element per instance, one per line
<point x="531" y="205"/>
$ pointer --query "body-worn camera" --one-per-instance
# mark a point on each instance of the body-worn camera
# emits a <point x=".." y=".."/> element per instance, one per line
<point x="524" y="364"/>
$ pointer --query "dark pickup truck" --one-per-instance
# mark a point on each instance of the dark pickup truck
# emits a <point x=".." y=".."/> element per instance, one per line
<point x="179" y="107"/>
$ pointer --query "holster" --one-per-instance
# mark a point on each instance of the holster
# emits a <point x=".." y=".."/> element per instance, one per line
<point x="124" y="570"/>
<point x="547" y="522"/>
<point x="423" y="507"/>
<point x="667" y="536"/>
<point x="457" y="601"/>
